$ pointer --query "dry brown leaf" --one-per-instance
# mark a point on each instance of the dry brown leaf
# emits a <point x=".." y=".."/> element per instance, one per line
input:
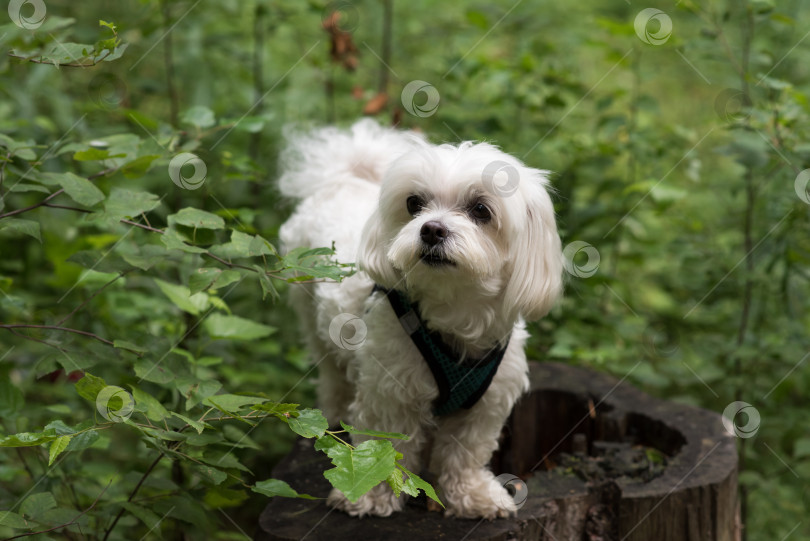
<point x="376" y="104"/>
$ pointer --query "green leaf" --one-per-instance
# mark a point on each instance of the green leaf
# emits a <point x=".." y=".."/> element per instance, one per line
<point x="200" y="279"/>
<point x="20" y="225"/>
<point x="276" y="487"/>
<point x="360" y="469"/>
<point x="127" y="345"/>
<point x="92" y="154"/>
<point x="83" y="441"/>
<point x="196" y="391"/>
<point x="196" y="425"/>
<point x="99" y="261"/>
<point x="148" y="404"/>
<point x="26" y="187"/>
<point x="89" y="386"/>
<point x="314" y="263"/>
<point x="28" y="439"/>
<point x="36" y="504"/>
<point x="197" y="218"/>
<point x="413" y="484"/>
<point x="207" y="277"/>
<point x="13" y="520"/>
<point x="199" y="116"/>
<point x="124" y="203"/>
<point x="352" y="430"/>
<point x="801" y="448"/>
<point x="223" y="460"/>
<point x="278" y="409"/>
<point x="235" y="327"/>
<point x="309" y="423"/>
<point x="173" y="241"/>
<point x="57" y="446"/>
<point x="146" y="256"/>
<point x="232" y="402"/>
<point x="182" y="297"/>
<point x="149" y="519"/>
<point x="218" y="497"/>
<point x="139" y="166"/>
<point x="153" y="371"/>
<point x="11" y="398"/>
<point x="78" y="188"/>
<point x="244" y="245"/>
<point x="211" y="474"/>
<point x="395" y="481"/>
<point x="267" y="284"/>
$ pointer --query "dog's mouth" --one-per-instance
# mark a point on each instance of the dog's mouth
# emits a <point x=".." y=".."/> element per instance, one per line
<point x="433" y="259"/>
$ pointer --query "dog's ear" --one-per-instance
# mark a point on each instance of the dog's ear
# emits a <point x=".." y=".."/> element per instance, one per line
<point x="372" y="257"/>
<point x="536" y="254"/>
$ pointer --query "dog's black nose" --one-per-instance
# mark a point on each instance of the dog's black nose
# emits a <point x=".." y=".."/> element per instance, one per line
<point x="433" y="233"/>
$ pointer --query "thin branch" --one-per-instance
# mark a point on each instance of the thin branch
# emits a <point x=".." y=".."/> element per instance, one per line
<point x="388" y="15"/>
<point x="133" y="493"/>
<point x="91" y="297"/>
<point x="60" y="64"/>
<point x="142" y="226"/>
<point x="32" y="207"/>
<point x="65" y="525"/>
<point x="44" y="202"/>
<point x="45" y="342"/>
<point x="64" y="329"/>
<point x="169" y="65"/>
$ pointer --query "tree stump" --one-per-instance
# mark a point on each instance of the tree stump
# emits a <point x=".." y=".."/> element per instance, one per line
<point x="602" y="460"/>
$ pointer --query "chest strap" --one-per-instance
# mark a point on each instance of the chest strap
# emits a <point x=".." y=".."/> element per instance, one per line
<point x="461" y="384"/>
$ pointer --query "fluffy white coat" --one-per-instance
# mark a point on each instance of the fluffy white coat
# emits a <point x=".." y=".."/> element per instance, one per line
<point x="353" y="188"/>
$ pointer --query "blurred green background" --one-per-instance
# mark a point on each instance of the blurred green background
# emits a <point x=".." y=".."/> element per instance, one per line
<point x="676" y="152"/>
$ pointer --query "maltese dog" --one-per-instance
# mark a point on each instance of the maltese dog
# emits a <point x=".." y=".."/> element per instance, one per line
<point x="456" y="247"/>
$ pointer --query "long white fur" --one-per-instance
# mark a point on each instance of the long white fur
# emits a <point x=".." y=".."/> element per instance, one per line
<point x="353" y="185"/>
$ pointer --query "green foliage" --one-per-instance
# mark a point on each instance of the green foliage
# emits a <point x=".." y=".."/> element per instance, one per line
<point x="138" y="233"/>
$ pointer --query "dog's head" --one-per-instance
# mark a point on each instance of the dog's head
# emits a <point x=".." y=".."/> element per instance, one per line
<point x="466" y="218"/>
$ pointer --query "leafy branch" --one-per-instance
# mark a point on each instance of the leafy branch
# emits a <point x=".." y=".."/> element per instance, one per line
<point x="77" y="55"/>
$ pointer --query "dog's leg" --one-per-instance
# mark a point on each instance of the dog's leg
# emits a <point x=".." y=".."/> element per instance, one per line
<point x="464" y="445"/>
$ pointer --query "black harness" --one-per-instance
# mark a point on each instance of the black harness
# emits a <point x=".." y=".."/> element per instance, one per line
<point x="461" y="384"/>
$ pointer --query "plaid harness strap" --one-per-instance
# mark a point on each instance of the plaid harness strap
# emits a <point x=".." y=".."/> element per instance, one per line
<point x="461" y="384"/>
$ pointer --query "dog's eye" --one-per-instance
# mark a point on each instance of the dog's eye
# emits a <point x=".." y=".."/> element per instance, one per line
<point x="480" y="212"/>
<point x="415" y="204"/>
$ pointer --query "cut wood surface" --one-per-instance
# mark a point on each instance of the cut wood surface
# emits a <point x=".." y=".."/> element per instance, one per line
<point x="568" y="410"/>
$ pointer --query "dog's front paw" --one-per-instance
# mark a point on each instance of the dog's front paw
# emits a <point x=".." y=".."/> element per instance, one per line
<point x="478" y="496"/>
<point x="380" y="501"/>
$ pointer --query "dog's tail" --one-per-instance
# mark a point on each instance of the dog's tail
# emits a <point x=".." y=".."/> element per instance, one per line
<point x="330" y="154"/>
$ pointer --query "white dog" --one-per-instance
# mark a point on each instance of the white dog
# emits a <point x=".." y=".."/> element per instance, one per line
<point x="462" y="246"/>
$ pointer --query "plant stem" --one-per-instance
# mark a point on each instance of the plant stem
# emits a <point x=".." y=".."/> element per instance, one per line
<point x="64" y="329"/>
<point x="748" y="222"/>
<point x="171" y="90"/>
<point x="133" y="493"/>
<point x="388" y="17"/>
